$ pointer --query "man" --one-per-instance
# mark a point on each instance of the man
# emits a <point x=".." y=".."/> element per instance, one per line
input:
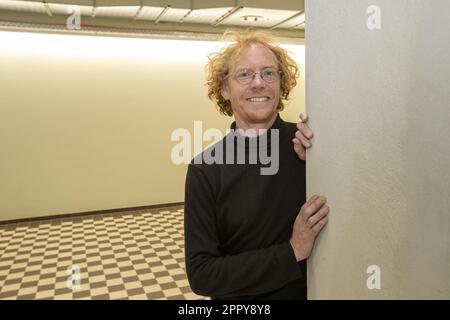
<point x="248" y="234"/>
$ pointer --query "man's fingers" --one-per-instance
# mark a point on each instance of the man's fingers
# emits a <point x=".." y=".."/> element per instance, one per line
<point x="319" y="225"/>
<point x="302" y="137"/>
<point x="304" y="117"/>
<point x="299" y="149"/>
<point x="315" y="218"/>
<point x="305" y="129"/>
<point x="297" y="143"/>
<point x="310" y="200"/>
<point x="313" y="207"/>
<point x="305" y="142"/>
<point x="303" y="126"/>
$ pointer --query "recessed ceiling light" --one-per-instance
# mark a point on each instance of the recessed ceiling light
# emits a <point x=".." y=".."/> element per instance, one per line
<point x="252" y="18"/>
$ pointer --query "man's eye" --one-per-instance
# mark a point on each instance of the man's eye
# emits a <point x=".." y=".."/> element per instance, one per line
<point x="244" y="74"/>
<point x="269" y="72"/>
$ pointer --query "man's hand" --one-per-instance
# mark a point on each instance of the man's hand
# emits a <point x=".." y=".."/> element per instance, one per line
<point x="309" y="222"/>
<point x="303" y="136"/>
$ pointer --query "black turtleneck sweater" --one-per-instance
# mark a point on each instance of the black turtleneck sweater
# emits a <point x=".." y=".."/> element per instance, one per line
<point x="238" y="222"/>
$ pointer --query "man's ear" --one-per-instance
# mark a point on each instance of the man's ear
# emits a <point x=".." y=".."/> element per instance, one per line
<point x="225" y="91"/>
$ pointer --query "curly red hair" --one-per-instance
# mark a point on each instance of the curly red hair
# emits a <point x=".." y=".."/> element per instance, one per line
<point x="219" y="63"/>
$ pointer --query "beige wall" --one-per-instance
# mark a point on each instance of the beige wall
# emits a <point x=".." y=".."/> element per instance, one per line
<point x="379" y="106"/>
<point x="85" y="122"/>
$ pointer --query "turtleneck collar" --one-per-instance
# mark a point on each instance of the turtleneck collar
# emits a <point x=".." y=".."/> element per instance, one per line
<point x="249" y="142"/>
<point x="278" y="124"/>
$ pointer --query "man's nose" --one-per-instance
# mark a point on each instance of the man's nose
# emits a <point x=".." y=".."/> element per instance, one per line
<point x="257" y="81"/>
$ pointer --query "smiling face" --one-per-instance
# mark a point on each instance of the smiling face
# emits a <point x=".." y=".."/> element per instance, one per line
<point x="254" y="104"/>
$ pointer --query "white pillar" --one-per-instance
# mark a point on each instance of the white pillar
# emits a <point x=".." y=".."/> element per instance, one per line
<point x="379" y="105"/>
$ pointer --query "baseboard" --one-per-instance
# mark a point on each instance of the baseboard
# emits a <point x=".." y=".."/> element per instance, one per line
<point x="89" y="213"/>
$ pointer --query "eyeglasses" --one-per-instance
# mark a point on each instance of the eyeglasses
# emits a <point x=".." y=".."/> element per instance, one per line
<point x="246" y="76"/>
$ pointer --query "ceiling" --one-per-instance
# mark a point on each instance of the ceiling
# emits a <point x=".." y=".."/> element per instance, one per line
<point x="282" y="17"/>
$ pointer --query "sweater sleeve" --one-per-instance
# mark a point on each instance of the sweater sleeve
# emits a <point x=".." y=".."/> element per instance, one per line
<point x="223" y="276"/>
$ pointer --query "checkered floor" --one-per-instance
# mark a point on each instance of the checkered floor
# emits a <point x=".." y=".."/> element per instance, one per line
<point x="131" y="255"/>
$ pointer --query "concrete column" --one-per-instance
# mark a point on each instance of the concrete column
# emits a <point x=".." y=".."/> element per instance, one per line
<point x="378" y="95"/>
